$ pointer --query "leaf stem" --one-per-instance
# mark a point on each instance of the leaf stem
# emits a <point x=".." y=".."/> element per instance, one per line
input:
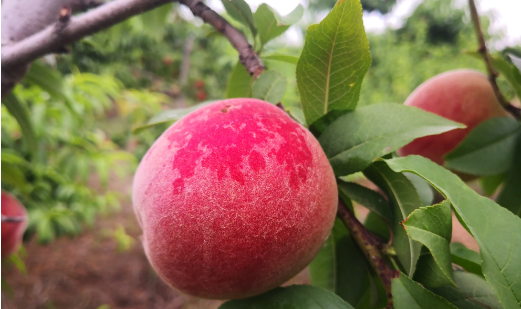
<point x="370" y="245"/>
<point x="492" y="73"/>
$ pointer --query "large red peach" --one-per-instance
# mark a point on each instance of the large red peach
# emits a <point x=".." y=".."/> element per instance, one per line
<point x="464" y="96"/>
<point x="234" y="199"/>
<point x="12" y="232"/>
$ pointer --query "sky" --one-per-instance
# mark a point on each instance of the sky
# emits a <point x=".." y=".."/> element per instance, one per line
<point x="505" y="16"/>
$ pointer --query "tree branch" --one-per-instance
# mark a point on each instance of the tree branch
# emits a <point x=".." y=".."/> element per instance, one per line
<point x="68" y="29"/>
<point x="492" y="73"/>
<point x="84" y="5"/>
<point x="371" y="246"/>
<point x="247" y="55"/>
<point x="49" y="40"/>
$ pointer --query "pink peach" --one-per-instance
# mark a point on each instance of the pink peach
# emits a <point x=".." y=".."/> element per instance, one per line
<point x="12" y="232"/>
<point x="464" y="96"/>
<point x="234" y="199"/>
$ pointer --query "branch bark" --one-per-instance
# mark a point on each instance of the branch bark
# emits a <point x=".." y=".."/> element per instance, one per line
<point x="49" y="39"/>
<point x="247" y="55"/>
<point x="371" y="247"/>
<point x="20" y="50"/>
<point x="492" y="73"/>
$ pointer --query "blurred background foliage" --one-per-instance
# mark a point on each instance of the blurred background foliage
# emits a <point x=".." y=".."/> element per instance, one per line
<point x="82" y="107"/>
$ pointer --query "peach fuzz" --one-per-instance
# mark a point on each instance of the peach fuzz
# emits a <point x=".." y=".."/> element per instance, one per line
<point x="12" y="232"/>
<point x="234" y="199"/>
<point x="464" y="96"/>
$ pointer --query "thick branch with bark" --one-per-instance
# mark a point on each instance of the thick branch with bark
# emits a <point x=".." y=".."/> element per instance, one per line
<point x="21" y="49"/>
<point x="51" y="38"/>
<point x="247" y="55"/>
<point x="492" y="73"/>
<point x="370" y="246"/>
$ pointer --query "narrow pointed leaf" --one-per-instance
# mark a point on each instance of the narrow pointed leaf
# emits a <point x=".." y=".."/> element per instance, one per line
<point x="496" y="229"/>
<point x="405" y="200"/>
<point x="510" y="195"/>
<point x="488" y="149"/>
<point x="297" y="114"/>
<point x="341" y="267"/>
<point x="432" y="226"/>
<point x="408" y="294"/>
<point x="241" y="12"/>
<point x="333" y="62"/>
<point x="267" y="24"/>
<point x="21" y="114"/>
<point x="516" y="61"/>
<point x="355" y="139"/>
<point x="428" y="273"/>
<point x="295" y="296"/>
<point x="466" y="258"/>
<point x="292" y="17"/>
<point x="284" y="58"/>
<point x="368" y="198"/>
<point x="472" y="292"/>
<point x="239" y="83"/>
<point x="270" y="87"/>
<point x="489" y="184"/>
<point x="425" y="190"/>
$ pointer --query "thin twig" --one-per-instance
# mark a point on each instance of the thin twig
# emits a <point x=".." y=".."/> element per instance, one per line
<point x="492" y="73"/>
<point x="247" y="55"/>
<point x="370" y="245"/>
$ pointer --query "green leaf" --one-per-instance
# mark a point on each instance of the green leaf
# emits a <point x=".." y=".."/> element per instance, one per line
<point x="473" y="292"/>
<point x="169" y="116"/>
<point x="432" y="226"/>
<point x="295" y="296"/>
<point x="408" y="294"/>
<point x="241" y="12"/>
<point x="270" y="87"/>
<point x="240" y="82"/>
<point x="507" y="70"/>
<point x="297" y="114"/>
<point x="292" y="17"/>
<point x="510" y="196"/>
<point x="333" y="62"/>
<point x="516" y="61"/>
<point x="12" y="175"/>
<point x="496" y="230"/>
<point x="368" y="198"/>
<point x="21" y="114"/>
<point x="283" y="58"/>
<point x="428" y="273"/>
<point x="341" y="267"/>
<point x="405" y="200"/>
<point x="18" y="263"/>
<point x="322" y="270"/>
<point x="488" y="149"/>
<point x="422" y="186"/>
<point x="49" y="80"/>
<point x="154" y="20"/>
<point x="374" y="223"/>
<point x="267" y="25"/>
<point x="466" y="258"/>
<point x="489" y="184"/>
<point x="355" y="139"/>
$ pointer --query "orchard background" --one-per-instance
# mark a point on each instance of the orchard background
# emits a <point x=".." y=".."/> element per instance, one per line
<point x="101" y="88"/>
